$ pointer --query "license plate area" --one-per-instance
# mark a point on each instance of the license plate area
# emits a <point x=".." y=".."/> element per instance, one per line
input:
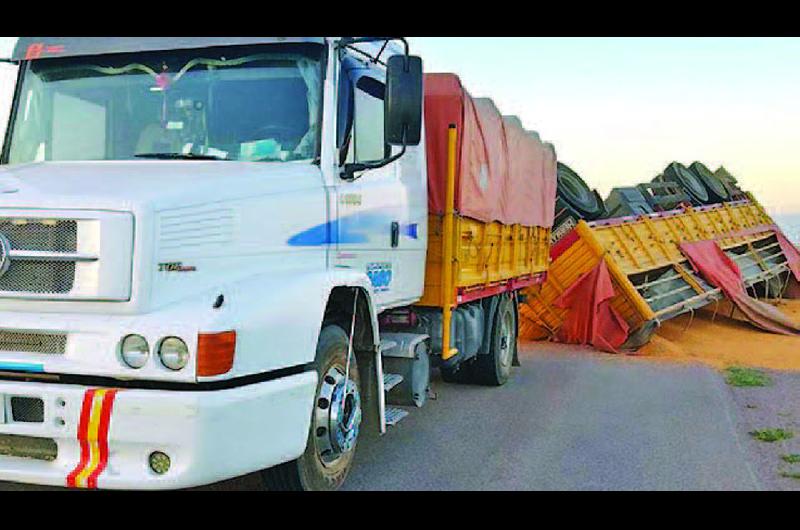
<point x="44" y="449"/>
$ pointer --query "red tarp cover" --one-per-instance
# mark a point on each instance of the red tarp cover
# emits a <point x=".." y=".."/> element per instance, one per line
<point x="590" y="317"/>
<point x="502" y="173"/>
<point x="721" y="271"/>
<point x="791" y="253"/>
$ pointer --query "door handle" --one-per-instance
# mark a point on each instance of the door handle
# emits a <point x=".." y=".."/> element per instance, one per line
<point x="395" y="234"/>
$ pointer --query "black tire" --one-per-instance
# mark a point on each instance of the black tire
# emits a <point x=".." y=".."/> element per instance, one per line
<point x="677" y="172"/>
<point x="573" y="191"/>
<point x="460" y="374"/>
<point x="717" y="192"/>
<point x="494" y="368"/>
<point x="310" y="472"/>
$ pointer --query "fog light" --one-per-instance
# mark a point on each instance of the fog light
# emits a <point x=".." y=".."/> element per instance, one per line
<point x="159" y="462"/>
<point x="135" y="351"/>
<point x="174" y="353"/>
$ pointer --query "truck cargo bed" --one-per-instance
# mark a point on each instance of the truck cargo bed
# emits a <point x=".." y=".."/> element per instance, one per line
<point x="489" y="258"/>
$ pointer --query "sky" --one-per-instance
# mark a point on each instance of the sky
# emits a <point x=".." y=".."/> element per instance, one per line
<point x="619" y="110"/>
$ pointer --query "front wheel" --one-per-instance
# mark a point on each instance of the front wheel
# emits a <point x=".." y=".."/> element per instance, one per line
<point x="335" y="422"/>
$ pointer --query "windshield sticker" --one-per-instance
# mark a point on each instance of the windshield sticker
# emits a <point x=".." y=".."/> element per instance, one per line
<point x="37" y="49"/>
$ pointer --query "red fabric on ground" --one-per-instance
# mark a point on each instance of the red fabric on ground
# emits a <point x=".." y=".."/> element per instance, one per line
<point x="590" y="318"/>
<point x="721" y="271"/>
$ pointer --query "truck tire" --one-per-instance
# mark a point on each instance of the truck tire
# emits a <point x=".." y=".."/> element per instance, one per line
<point x="459" y="374"/>
<point x="677" y="172"/>
<point x="494" y="368"/>
<point x="335" y="423"/>
<point x="717" y="192"/>
<point x="573" y="191"/>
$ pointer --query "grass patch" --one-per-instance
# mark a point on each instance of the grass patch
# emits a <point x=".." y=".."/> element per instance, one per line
<point x="790" y="474"/>
<point x="771" y="435"/>
<point x="791" y="459"/>
<point x="741" y="376"/>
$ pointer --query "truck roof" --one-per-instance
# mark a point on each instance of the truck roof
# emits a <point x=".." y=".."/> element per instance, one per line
<point x="53" y="47"/>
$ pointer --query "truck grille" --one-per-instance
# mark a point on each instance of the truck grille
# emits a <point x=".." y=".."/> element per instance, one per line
<point x="40" y="277"/>
<point x="27" y="410"/>
<point x="41" y="252"/>
<point x="42" y="236"/>
<point x="15" y="341"/>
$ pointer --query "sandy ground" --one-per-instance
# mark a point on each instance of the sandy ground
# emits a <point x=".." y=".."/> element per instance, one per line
<point x="722" y="342"/>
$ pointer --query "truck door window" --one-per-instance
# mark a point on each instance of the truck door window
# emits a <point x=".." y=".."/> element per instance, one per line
<point x="344" y="117"/>
<point x="368" y="142"/>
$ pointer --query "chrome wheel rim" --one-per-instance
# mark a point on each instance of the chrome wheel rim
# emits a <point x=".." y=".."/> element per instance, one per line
<point x="506" y="341"/>
<point x="337" y="416"/>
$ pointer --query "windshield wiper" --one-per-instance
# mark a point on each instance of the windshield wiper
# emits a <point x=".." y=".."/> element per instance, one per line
<point x="178" y="156"/>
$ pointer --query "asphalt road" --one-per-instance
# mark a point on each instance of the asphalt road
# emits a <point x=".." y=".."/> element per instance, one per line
<point x="566" y="421"/>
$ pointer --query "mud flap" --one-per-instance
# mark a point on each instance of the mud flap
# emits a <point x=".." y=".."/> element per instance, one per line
<point x="369" y="392"/>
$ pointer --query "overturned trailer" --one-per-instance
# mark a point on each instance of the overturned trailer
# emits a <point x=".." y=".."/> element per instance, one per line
<point x="653" y="273"/>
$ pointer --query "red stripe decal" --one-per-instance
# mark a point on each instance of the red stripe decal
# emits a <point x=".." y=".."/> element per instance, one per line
<point x="83" y="427"/>
<point x="102" y="437"/>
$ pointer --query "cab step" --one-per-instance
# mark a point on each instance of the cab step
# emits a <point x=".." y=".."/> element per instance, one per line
<point x="390" y="381"/>
<point x="387" y="345"/>
<point x="394" y="415"/>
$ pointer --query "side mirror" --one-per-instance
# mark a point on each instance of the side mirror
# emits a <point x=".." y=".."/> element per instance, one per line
<point x="403" y="102"/>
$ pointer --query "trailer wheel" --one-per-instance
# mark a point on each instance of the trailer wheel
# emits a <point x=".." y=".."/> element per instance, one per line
<point x="335" y="423"/>
<point x="494" y="368"/>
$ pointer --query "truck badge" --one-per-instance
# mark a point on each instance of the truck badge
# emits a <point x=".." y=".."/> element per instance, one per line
<point x="176" y="267"/>
<point x="5" y="254"/>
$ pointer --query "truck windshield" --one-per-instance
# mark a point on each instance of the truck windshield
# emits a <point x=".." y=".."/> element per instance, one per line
<point x="249" y="103"/>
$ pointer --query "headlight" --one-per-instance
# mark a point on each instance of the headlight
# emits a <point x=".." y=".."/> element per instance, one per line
<point x="174" y="353"/>
<point x="135" y="351"/>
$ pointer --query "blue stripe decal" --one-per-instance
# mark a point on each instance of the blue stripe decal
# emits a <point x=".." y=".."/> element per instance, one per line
<point x="352" y="229"/>
<point x="22" y="367"/>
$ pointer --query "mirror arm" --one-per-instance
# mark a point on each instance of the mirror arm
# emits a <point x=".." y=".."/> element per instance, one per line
<point x="350" y="169"/>
<point x="348" y="41"/>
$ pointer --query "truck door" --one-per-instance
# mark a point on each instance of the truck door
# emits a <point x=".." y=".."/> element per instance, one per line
<point x="373" y="223"/>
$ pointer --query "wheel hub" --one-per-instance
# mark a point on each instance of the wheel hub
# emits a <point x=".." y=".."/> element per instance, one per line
<point x="337" y="416"/>
<point x="506" y="339"/>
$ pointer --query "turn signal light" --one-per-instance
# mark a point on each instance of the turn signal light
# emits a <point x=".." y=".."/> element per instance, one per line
<point x="215" y="352"/>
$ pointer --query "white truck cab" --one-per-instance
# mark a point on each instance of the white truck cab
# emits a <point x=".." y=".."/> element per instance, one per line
<point x="197" y="236"/>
